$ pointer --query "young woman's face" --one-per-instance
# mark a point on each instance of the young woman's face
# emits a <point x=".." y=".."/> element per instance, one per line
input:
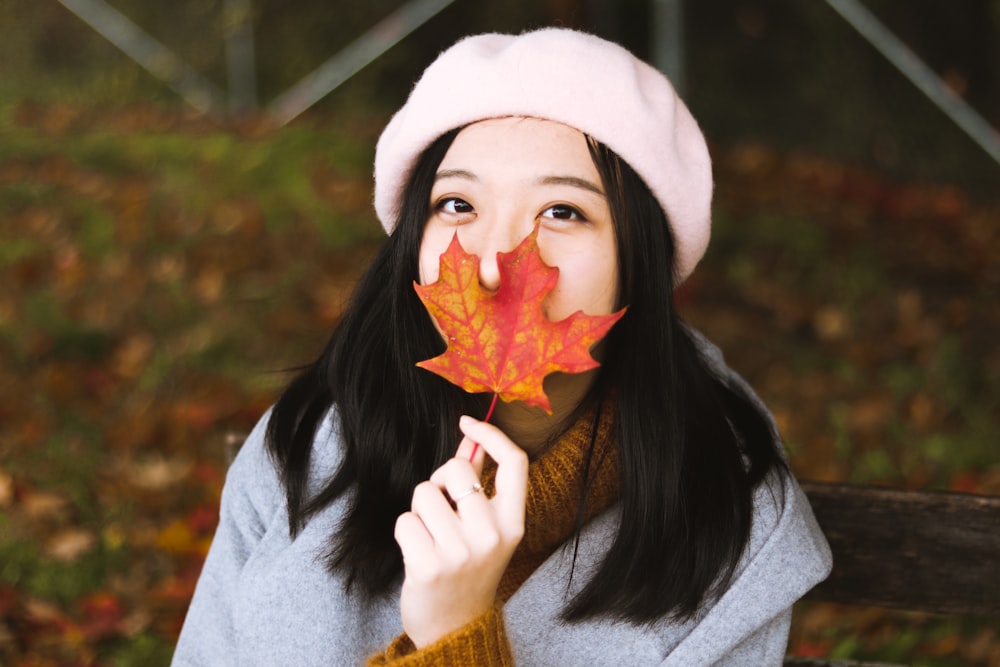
<point x="498" y="180"/>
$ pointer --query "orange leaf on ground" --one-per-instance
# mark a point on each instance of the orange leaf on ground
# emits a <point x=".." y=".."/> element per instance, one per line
<point x="177" y="537"/>
<point x="102" y="616"/>
<point x="502" y="342"/>
<point x="202" y="521"/>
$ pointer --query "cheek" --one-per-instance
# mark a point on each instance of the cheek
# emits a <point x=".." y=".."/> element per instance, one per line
<point x="587" y="287"/>
<point x="588" y="277"/>
<point x="431" y="248"/>
<point x="602" y="293"/>
<point x="428" y="270"/>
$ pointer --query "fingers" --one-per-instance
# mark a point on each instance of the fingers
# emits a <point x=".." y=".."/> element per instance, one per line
<point x="449" y="515"/>
<point x="411" y="536"/>
<point x="460" y="481"/>
<point x="512" y="469"/>
<point x="457" y="475"/>
<point x="456" y="544"/>
<point x="434" y="518"/>
<point x="473" y="453"/>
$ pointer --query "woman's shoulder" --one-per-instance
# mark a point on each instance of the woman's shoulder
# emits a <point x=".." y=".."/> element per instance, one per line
<point x="785" y="535"/>
<point x="254" y="479"/>
<point x="747" y="623"/>
<point x="782" y="517"/>
<point x="786" y="556"/>
<point x="714" y="359"/>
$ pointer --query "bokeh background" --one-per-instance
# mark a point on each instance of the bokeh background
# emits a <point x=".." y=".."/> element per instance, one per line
<point x="162" y="268"/>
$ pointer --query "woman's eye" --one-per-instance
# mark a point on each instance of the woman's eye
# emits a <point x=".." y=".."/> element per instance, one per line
<point x="454" y="205"/>
<point x="562" y="212"/>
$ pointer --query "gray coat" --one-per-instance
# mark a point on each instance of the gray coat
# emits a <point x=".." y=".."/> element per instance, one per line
<point x="264" y="599"/>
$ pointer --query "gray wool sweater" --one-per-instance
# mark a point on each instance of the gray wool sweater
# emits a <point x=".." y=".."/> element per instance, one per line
<point x="265" y="599"/>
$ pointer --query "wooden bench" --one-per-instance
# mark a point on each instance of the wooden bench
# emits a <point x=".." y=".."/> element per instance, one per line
<point x="916" y="550"/>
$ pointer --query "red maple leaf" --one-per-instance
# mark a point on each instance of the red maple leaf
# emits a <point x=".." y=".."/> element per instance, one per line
<point x="502" y="342"/>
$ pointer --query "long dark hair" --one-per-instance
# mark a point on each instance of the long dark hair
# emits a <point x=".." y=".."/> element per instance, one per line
<point x="692" y="448"/>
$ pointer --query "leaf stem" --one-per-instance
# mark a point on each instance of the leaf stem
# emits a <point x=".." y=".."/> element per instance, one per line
<point x="489" y="413"/>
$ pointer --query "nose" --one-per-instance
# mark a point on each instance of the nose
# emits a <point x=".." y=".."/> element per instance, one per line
<point x="489" y="271"/>
<point x="497" y="239"/>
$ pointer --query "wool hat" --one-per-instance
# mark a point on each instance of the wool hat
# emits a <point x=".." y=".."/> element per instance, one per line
<point x="573" y="78"/>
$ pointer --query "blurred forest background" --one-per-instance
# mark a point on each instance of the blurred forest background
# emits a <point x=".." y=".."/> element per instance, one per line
<point x="160" y="268"/>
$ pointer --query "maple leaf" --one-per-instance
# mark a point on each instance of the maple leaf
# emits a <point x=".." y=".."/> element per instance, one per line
<point x="502" y="342"/>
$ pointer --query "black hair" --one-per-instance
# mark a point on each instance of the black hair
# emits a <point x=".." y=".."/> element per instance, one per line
<point x="692" y="448"/>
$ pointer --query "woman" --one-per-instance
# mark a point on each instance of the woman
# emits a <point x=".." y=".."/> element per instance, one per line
<point x="649" y="519"/>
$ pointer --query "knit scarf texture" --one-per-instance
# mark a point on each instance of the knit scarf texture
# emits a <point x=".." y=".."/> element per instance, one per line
<point x="555" y="488"/>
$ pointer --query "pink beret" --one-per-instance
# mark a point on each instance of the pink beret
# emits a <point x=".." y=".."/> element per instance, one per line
<point x="576" y="79"/>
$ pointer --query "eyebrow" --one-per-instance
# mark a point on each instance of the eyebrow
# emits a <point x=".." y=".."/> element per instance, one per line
<point x="572" y="181"/>
<point x="455" y="173"/>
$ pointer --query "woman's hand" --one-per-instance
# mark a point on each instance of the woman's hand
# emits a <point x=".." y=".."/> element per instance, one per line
<point x="454" y="553"/>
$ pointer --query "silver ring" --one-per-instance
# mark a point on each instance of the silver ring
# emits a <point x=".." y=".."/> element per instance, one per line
<point x="476" y="488"/>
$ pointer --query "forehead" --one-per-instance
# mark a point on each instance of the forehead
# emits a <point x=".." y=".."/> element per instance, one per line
<point x="530" y="146"/>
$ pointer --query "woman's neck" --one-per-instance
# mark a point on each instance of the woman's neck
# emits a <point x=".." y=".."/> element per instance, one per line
<point x="531" y="428"/>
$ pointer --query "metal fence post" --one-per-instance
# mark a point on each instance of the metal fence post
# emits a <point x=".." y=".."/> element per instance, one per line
<point x="240" y="63"/>
<point x="668" y="40"/>
<point x="160" y="61"/>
